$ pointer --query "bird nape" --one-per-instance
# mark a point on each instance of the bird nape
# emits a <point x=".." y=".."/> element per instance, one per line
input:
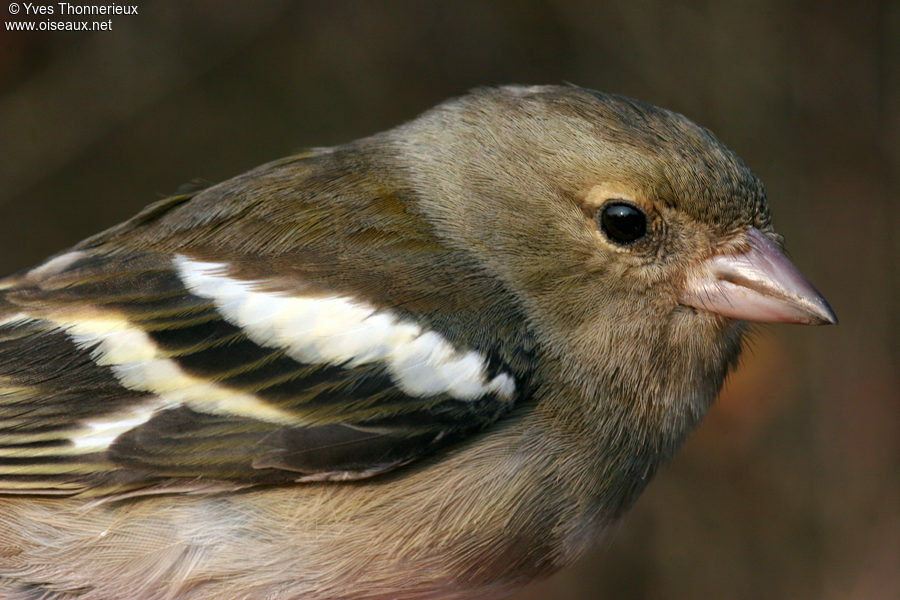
<point x="436" y="362"/>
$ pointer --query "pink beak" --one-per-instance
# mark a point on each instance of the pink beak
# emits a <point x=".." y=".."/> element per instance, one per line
<point x="758" y="285"/>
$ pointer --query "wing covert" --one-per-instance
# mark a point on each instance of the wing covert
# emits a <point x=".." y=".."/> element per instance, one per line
<point x="142" y="370"/>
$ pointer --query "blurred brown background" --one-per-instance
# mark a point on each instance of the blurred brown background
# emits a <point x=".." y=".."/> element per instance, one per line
<point x="790" y="489"/>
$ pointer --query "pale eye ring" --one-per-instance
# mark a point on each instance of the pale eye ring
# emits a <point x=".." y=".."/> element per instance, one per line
<point x="623" y="223"/>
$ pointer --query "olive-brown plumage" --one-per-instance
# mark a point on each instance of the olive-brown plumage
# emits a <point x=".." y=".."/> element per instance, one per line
<point x="434" y="363"/>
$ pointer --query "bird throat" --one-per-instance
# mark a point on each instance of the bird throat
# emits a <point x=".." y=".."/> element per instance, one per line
<point x="635" y="429"/>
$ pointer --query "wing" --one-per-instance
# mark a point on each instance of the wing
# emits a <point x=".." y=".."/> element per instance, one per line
<point x="147" y="370"/>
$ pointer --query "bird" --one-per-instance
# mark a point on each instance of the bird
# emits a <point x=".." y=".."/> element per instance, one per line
<point x="438" y="362"/>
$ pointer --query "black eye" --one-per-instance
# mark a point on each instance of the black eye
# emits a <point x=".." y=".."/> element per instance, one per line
<point x="622" y="223"/>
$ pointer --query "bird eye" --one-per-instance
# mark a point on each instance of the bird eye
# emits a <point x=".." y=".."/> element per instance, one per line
<point x="622" y="223"/>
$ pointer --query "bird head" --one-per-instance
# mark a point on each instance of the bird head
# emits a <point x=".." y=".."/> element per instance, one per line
<point x="638" y="242"/>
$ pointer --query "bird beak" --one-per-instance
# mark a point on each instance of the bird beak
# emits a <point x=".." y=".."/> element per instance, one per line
<point x="760" y="284"/>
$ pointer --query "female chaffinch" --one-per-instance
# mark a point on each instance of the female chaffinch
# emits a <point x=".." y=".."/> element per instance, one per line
<point x="433" y="363"/>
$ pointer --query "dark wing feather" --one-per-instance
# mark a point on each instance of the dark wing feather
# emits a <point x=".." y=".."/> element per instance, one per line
<point x="88" y="405"/>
